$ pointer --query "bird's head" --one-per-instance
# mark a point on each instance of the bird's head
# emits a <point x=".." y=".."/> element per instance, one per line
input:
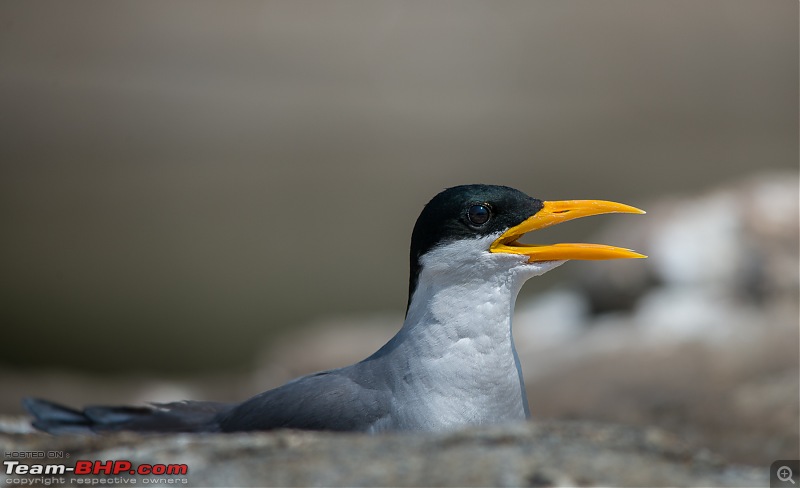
<point x="472" y="232"/>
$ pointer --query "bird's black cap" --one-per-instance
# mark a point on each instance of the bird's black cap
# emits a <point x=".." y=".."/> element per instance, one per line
<point x="459" y="213"/>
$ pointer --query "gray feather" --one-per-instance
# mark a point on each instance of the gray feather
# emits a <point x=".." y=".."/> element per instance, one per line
<point x="330" y="400"/>
<point x="169" y="417"/>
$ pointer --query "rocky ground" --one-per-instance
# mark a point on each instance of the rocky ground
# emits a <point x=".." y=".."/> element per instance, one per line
<point x="636" y="373"/>
<point x="536" y="454"/>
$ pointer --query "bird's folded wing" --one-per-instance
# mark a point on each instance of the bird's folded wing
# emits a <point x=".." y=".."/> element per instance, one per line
<point x="185" y="416"/>
<point x="330" y="400"/>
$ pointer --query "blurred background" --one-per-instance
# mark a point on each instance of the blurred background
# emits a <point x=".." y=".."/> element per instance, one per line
<point x="203" y="199"/>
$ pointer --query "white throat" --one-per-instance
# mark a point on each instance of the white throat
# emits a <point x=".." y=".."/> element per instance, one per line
<point x="457" y="339"/>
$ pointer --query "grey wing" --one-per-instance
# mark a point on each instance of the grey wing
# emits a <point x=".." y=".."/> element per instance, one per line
<point x="330" y="400"/>
<point x="163" y="417"/>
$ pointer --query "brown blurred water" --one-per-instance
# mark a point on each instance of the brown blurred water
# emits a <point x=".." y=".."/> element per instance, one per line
<point x="181" y="180"/>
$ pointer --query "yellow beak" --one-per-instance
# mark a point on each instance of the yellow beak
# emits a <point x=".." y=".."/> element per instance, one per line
<point x="555" y="213"/>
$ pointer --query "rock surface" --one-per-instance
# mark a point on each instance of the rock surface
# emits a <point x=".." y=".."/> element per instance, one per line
<point x="533" y="454"/>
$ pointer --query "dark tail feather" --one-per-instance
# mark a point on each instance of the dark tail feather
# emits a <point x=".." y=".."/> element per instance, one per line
<point x="161" y="417"/>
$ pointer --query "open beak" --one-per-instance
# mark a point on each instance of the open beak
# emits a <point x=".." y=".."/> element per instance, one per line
<point x="555" y="213"/>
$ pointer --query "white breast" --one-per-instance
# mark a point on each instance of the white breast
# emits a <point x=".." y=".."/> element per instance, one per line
<point x="454" y="361"/>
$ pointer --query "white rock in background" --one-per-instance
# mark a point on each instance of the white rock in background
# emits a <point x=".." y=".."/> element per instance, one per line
<point x="676" y="314"/>
<point x="552" y="319"/>
<point x="698" y="241"/>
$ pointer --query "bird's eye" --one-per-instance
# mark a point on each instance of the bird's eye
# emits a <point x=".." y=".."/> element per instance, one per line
<point x="479" y="214"/>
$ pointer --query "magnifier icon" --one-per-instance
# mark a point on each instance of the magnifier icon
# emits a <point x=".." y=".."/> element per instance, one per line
<point x="785" y="474"/>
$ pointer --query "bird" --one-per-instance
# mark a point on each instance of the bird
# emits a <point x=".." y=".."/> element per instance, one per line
<point x="452" y="363"/>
